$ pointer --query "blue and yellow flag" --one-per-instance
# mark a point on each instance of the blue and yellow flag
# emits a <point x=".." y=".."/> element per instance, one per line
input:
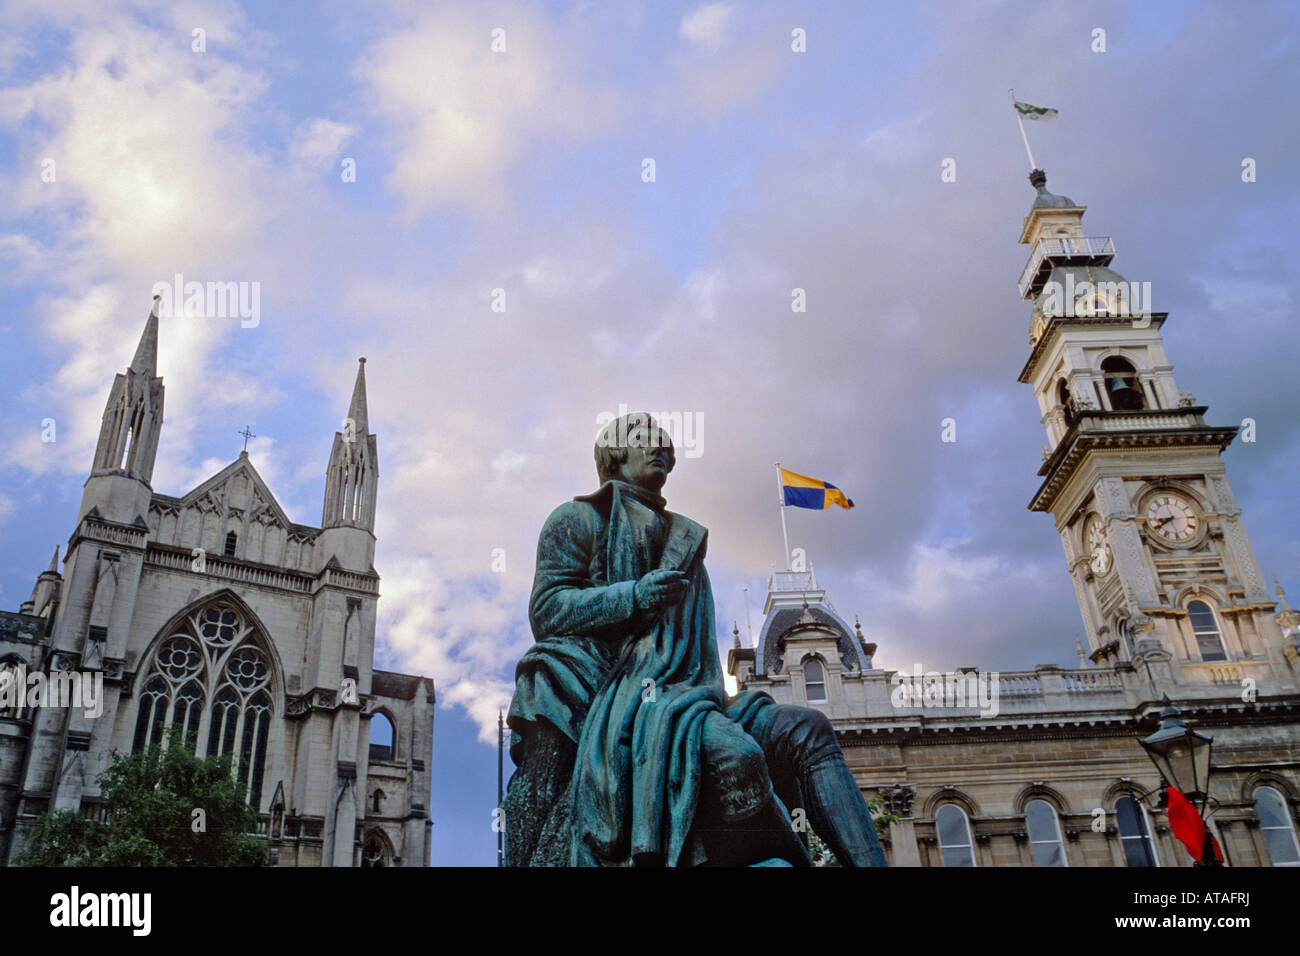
<point x="800" y="491"/>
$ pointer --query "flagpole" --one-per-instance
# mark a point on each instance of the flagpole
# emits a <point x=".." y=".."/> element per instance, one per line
<point x="780" y="490"/>
<point x="1020" y="120"/>
<point x="501" y="738"/>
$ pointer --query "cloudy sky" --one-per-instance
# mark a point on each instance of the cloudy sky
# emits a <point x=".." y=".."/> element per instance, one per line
<point x="522" y="170"/>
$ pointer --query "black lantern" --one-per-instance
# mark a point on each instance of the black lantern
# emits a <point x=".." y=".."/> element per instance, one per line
<point x="1180" y="754"/>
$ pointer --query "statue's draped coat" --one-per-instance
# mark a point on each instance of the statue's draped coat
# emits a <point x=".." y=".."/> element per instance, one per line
<point x="630" y="689"/>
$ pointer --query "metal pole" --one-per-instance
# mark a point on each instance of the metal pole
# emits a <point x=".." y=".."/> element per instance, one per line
<point x="780" y="491"/>
<point x="1021" y="121"/>
<point x="501" y="736"/>
<point x="749" y="627"/>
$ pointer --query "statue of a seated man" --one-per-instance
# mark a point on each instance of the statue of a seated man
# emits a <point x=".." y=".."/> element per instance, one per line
<point x="628" y="750"/>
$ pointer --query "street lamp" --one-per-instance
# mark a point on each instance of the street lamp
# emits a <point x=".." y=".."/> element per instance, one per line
<point x="1182" y="756"/>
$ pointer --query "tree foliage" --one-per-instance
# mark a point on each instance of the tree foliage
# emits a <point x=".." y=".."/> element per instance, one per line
<point x="151" y="801"/>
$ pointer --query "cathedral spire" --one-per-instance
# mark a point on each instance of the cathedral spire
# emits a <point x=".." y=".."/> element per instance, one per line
<point x="357" y="410"/>
<point x="350" y="481"/>
<point x="145" y="361"/>
<point x="133" y="416"/>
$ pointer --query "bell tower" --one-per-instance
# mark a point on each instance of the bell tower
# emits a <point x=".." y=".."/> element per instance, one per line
<point x="1162" y="566"/>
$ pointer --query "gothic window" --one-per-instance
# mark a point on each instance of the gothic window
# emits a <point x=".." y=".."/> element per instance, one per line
<point x="231" y="540"/>
<point x="211" y="680"/>
<point x="377" y="802"/>
<point x="1044" y="833"/>
<point x="1277" y="826"/>
<point x="814" y="679"/>
<point x="953" y="830"/>
<point x="376" y="851"/>
<point x="381" y="738"/>
<point x="1122" y="384"/>
<point x="1206" y="630"/>
<point x="12" y="694"/>
<point x="1135" y="833"/>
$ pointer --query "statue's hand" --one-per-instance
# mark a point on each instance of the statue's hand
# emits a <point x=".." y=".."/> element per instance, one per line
<point x="659" y="589"/>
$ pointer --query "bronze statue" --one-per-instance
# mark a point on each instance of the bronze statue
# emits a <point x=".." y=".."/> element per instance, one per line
<point x="628" y="751"/>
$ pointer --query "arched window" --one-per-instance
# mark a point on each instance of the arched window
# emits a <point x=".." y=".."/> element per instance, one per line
<point x="377" y="802"/>
<point x="376" y="850"/>
<point x="382" y="738"/>
<point x="814" y="679"/>
<point x="953" y="830"/>
<point x="1277" y="826"/>
<point x="1206" y="629"/>
<point x="1135" y="833"/>
<point x="231" y="540"/>
<point x="1044" y="833"/>
<point x="211" y="680"/>
<point x="1122" y="384"/>
<point x="13" y="695"/>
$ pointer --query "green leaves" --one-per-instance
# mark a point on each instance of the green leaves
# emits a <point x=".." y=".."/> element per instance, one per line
<point x="149" y="801"/>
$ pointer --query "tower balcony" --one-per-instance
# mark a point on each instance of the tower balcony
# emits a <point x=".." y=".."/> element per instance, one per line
<point x="794" y="589"/>
<point x="1047" y="254"/>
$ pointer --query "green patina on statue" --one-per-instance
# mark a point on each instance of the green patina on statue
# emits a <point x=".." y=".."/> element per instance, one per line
<point x="628" y="750"/>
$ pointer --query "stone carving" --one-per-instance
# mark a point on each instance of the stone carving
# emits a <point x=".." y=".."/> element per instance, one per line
<point x="628" y="750"/>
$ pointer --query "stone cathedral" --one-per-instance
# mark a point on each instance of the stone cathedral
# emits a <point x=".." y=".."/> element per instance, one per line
<point x="215" y="613"/>
<point x="1172" y="599"/>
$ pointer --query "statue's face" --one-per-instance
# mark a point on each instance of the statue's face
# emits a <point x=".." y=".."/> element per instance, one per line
<point x="646" y="465"/>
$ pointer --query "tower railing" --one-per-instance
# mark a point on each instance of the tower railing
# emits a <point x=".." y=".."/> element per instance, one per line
<point x="1063" y="250"/>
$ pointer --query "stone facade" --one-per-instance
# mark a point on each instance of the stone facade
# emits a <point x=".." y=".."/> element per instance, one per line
<point x="1043" y="767"/>
<point x="213" y="611"/>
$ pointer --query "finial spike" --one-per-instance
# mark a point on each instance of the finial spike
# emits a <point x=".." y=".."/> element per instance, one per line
<point x="145" y="360"/>
<point x="357" y="410"/>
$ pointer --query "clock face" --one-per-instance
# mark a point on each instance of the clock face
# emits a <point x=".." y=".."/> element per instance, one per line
<point x="1172" y="517"/>
<point x="1094" y="536"/>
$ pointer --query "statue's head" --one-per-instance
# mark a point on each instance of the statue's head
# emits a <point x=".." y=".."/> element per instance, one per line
<point x="635" y="449"/>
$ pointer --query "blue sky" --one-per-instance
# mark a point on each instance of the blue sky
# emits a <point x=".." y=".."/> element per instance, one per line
<point x="521" y="170"/>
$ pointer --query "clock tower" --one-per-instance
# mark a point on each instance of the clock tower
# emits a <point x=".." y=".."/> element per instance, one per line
<point x="1161" y="563"/>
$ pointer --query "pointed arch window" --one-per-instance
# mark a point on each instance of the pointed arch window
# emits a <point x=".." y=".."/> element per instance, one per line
<point x="1205" y="627"/>
<point x="382" y="737"/>
<point x="232" y="539"/>
<point x="1276" y="824"/>
<point x="211" y="680"/>
<point x="376" y="851"/>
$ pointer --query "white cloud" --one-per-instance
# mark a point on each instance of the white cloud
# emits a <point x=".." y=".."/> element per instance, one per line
<point x="463" y="116"/>
<point x="318" y="142"/>
<point x="706" y="26"/>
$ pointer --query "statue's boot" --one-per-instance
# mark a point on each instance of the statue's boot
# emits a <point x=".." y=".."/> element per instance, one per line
<point x="839" y="814"/>
<point x="809" y="772"/>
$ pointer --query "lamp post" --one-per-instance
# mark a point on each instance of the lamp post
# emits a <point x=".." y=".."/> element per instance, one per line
<point x="1182" y="757"/>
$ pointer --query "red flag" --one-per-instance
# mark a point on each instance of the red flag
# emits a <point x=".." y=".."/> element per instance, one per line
<point x="1188" y="826"/>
